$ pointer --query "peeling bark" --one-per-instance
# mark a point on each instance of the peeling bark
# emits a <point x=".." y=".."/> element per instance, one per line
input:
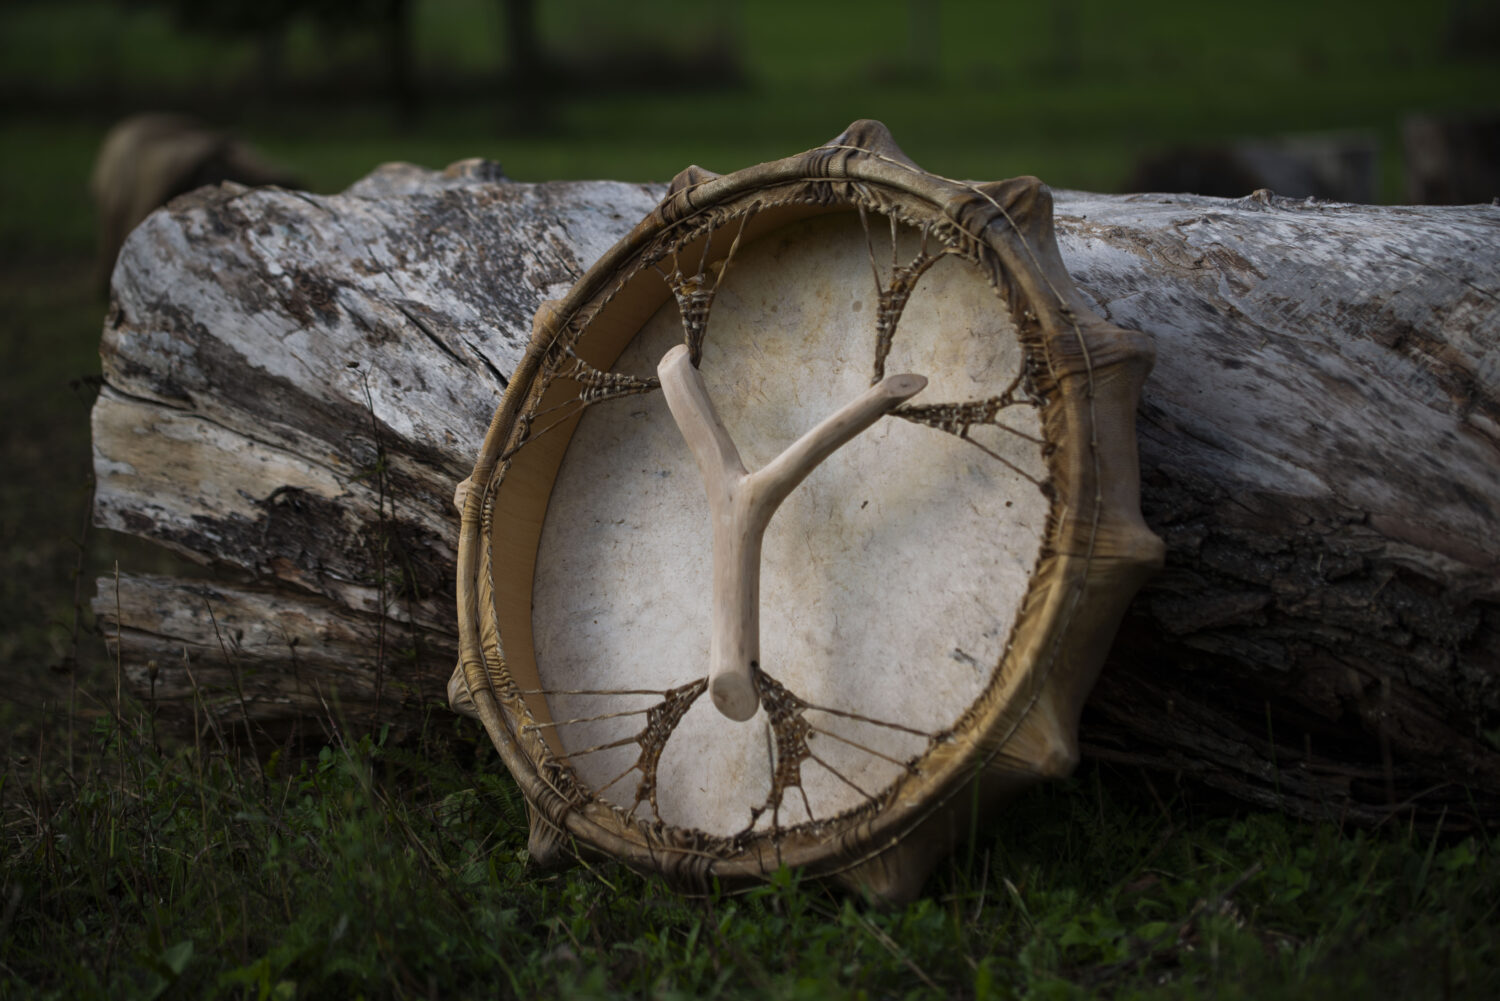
<point x="1320" y="449"/>
<point x="295" y="383"/>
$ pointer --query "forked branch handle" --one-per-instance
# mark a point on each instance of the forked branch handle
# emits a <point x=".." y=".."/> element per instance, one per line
<point x="741" y="504"/>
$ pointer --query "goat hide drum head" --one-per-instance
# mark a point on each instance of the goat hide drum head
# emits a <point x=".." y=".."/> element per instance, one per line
<point x="804" y="525"/>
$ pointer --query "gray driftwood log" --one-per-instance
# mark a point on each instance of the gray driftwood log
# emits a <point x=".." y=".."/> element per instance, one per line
<point x="294" y="384"/>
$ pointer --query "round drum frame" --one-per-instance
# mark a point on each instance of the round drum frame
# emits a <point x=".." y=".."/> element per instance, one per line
<point x="1096" y="553"/>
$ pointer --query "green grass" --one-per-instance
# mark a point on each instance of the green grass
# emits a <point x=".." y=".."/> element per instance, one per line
<point x="132" y="870"/>
<point x="378" y="871"/>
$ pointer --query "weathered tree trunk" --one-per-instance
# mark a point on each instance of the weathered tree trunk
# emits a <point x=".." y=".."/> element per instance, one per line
<point x="294" y="385"/>
<point x="1320" y="449"/>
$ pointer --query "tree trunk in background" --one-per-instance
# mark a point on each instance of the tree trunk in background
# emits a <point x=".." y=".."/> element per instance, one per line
<point x="526" y="70"/>
<point x="400" y="57"/>
<point x="924" y="38"/>
<point x="295" y="383"/>
<point x="523" y="43"/>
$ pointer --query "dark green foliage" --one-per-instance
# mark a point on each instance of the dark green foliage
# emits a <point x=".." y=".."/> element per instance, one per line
<point x="236" y="17"/>
<point x="375" y="870"/>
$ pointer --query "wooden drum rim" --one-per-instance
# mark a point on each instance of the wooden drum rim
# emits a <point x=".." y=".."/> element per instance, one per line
<point x="1095" y="553"/>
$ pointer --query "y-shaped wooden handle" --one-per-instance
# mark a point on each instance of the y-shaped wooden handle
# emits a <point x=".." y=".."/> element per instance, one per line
<point x="741" y="504"/>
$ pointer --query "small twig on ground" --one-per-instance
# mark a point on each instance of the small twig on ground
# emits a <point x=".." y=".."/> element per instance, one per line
<point x="337" y="732"/>
<point x="984" y="879"/>
<point x="119" y="678"/>
<point x="1156" y="797"/>
<point x="895" y="950"/>
<point x="239" y="689"/>
<point x="71" y="660"/>
<point x="208" y="714"/>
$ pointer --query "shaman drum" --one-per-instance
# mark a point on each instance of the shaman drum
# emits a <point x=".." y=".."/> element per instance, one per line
<point x="804" y="524"/>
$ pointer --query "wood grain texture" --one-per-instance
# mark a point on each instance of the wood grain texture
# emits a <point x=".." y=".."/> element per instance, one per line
<point x="295" y="383"/>
<point x="1320" y="449"/>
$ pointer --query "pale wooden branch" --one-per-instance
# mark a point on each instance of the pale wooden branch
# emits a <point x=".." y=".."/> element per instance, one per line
<point x="741" y="504"/>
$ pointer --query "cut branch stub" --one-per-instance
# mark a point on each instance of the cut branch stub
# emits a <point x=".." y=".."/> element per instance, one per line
<point x="741" y="504"/>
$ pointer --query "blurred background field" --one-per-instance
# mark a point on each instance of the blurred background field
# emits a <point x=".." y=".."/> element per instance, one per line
<point x="1074" y="91"/>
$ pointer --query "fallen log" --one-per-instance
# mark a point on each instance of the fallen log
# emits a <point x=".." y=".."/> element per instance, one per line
<point x="294" y="384"/>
